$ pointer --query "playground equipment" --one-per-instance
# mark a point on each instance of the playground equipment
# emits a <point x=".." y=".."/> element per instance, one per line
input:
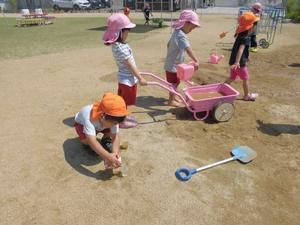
<point x="267" y="26"/>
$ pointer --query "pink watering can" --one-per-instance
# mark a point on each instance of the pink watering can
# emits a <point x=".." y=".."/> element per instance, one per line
<point x="185" y="71"/>
<point x="214" y="58"/>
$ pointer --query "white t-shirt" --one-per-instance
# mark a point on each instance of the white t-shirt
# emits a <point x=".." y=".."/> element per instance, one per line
<point x="176" y="48"/>
<point x="90" y="127"/>
<point x="123" y="52"/>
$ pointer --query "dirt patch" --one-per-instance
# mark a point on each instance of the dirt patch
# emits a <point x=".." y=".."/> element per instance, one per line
<point x="48" y="178"/>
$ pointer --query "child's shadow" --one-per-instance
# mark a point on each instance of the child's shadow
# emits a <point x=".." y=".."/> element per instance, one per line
<point x="80" y="158"/>
<point x="277" y="129"/>
<point x="69" y="121"/>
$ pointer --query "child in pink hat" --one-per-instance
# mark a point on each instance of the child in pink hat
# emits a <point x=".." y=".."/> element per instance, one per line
<point x="177" y="46"/>
<point x="116" y="34"/>
<point x="257" y="9"/>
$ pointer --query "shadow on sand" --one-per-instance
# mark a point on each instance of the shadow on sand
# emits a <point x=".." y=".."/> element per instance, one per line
<point x="277" y="129"/>
<point x="149" y="102"/>
<point x="69" y="121"/>
<point x="80" y="157"/>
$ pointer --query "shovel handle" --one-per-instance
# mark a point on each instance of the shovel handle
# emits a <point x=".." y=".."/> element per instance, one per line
<point x="184" y="173"/>
<point x="216" y="164"/>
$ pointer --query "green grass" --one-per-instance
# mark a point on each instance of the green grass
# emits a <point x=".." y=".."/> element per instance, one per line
<point x="65" y="34"/>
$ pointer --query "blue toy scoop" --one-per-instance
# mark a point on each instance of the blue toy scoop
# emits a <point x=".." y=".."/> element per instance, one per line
<point x="242" y="153"/>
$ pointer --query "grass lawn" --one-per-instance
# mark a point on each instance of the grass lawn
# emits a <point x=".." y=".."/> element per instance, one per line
<point x="65" y="34"/>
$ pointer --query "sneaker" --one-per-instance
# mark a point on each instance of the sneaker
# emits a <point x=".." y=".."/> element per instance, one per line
<point x="106" y="143"/>
<point x="129" y="122"/>
<point x="254" y="50"/>
<point x="250" y="97"/>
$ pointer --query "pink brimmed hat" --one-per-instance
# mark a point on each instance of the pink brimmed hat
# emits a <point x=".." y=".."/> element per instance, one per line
<point x="257" y="7"/>
<point x="115" y="23"/>
<point x="186" y="16"/>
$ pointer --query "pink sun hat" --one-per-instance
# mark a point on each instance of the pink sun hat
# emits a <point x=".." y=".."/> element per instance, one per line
<point x="115" y="23"/>
<point x="186" y="16"/>
<point x="257" y="7"/>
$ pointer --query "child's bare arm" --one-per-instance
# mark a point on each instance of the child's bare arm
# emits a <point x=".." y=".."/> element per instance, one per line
<point x="135" y="72"/>
<point x="192" y="56"/>
<point x="96" y="146"/>
<point x="116" y="143"/>
<point x="238" y="57"/>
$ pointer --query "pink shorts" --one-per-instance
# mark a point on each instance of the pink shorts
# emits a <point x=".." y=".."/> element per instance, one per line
<point x="127" y="93"/>
<point x="172" y="78"/>
<point x="242" y="73"/>
<point x="79" y="131"/>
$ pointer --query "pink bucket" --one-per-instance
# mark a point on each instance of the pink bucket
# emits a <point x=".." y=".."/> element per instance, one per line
<point x="185" y="71"/>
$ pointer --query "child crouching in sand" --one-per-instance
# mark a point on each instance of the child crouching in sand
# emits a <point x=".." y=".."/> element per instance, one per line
<point x="102" y="116"/>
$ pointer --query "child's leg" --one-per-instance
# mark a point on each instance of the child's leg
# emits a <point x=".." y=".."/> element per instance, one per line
<point x="244" y="75"/>
<point x="79" y="130"/>
<point x="129" y="95"/>
<point x="246" y="88"/>
<point x="232" y="77"/>
<point x="174" y="100"/>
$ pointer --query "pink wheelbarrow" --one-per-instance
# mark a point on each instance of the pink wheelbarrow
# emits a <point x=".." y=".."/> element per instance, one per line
<point x="216" y="98"/>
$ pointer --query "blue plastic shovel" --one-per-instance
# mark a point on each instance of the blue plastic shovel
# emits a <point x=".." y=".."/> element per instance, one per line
<point x="242" y="153"/>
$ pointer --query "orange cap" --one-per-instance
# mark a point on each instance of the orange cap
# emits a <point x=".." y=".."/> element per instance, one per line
<point x="111" y="104"/>
<point x="246" y="22"/>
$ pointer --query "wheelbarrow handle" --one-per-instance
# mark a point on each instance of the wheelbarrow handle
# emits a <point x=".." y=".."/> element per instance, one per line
<point x="164" y="84"/>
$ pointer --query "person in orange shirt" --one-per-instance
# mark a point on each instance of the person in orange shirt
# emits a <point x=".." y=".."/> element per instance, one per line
<point x="104" y="117"/>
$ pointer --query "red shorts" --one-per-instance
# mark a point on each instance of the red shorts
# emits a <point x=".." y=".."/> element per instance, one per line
<point x="127" y="93"/>
<point x="79" y="131"/>
<point x="172" y="78"/>
<point x="241" y="72"/>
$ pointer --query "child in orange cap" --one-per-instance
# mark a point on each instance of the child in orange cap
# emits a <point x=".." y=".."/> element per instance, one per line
<point x="240" y="53"/>
<point x="102" y="116"/>
<point x="116" y="34"/>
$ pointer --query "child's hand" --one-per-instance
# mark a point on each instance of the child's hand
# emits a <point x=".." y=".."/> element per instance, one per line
<point x="235" y="66"/>
<point x="196" y="65"/>
<point x="113" y="160"/>
<point x="142" y="81"/>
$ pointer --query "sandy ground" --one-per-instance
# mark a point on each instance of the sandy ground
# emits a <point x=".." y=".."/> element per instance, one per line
<point x="48" y="178"/>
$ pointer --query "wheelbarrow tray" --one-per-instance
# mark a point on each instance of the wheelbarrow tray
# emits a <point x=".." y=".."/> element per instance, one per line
<point x="227" y="94"/>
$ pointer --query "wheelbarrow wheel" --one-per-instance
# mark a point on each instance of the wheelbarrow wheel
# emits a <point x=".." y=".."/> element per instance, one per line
<point x="263" y="43"/>
<point x="223" y="112"/>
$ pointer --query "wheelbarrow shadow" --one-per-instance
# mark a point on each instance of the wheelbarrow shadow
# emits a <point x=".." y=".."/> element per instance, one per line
<point x="80" y="157"/>
<point x="277" y="129"/>
<point x="150" y="103"/>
